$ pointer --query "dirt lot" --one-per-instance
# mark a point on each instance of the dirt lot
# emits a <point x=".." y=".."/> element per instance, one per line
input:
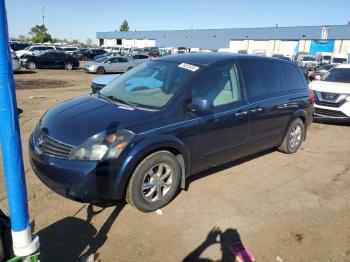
<point x="283" y="207"/>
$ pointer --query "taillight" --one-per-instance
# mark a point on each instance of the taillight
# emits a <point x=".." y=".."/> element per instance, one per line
<point x="312" y="95"/>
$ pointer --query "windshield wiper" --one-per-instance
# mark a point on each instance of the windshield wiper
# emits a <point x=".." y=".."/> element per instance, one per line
<point x="115" y="99"/>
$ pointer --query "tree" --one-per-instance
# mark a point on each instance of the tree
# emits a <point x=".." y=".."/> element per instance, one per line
<point x="39" y="34"/>
<point x="124" y="26"/>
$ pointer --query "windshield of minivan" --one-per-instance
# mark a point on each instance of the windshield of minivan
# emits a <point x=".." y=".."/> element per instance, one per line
<point x="149" y="85"/>
<point x="341" y="75"/>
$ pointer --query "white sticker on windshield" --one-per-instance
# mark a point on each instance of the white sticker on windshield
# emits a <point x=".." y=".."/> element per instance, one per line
<point x="189" y="67"/>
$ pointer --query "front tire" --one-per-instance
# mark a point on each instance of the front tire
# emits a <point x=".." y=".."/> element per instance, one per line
<point x="31" y="65"/>
<point x="68" y="66"/>
<point x="154" y="182"/>
<point x="293" y="138"/>
<point x="100" y="70"/>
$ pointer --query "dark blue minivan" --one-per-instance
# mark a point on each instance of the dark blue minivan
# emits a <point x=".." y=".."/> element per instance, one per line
<point x="145" y="133"/>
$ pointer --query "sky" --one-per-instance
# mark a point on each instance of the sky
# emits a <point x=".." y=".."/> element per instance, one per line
<point x="81" y="19"/>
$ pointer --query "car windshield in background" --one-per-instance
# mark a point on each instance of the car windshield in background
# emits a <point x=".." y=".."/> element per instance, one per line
<point x="339" y="60"/>
<point x="308" y="58"/>
<point x="101" y="59"/>
<point x="341" y="75"/>
<point x="149" y="85"/>
<point x="324" y="68"/>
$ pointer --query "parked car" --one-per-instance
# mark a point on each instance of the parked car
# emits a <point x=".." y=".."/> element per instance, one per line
<point x="68" y="49"/>
<point x="320" y="71"/>
<point x="30" y="50"/>
<point x="139" y="58"/>
<point x="146" y="141"/>
<point x="101" y="81"/>
<point x="333" y="94"/>
<point x="109" y="65"/>
<point x="50" y="59"/>
<point x="307" y="60"/>
<point x="323" y="58"/>
<point x="182" y="50"/>
<point x="16" y="64"/>
<point x="88" y="54"/>
<point x="339" y="59"/>
<point x="154" y="51"/>
<point x="16" y="46"/>
<point x="283" y="57"/>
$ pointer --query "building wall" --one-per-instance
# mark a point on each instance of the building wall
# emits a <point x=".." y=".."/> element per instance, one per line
<point x="234" y="38"/>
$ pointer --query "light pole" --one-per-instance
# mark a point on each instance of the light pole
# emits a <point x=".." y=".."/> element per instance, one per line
<point x="43" y="13"/>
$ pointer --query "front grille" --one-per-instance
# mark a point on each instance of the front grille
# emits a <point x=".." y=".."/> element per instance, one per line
<point x="50" y="146"/>
<point x="329" y="99"/>
<point x="331" y="113"/>
<point x="96" y="87"/>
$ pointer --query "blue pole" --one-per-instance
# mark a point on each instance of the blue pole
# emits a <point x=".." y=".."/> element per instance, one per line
<point x="12" y="149"/>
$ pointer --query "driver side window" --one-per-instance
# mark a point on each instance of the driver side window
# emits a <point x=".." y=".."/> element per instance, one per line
<point x="220" y="85"/>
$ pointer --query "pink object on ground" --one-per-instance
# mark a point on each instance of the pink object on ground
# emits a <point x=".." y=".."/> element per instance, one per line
<point x="241" y="252"/>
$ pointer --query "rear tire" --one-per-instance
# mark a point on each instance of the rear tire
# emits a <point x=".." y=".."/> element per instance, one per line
<point x="154" y="182"/>
<point x="31" y="65"/>
<point x="68" y="66"/>
<point x="100" y="70"/>
<point x="293" y="138"/>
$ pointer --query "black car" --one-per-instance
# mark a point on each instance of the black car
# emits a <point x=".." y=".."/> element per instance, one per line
<point x="49" y="59"/>
<point x="147" y="131"/>
<point x="88" y="54"/>
<point x="15" y="46"/>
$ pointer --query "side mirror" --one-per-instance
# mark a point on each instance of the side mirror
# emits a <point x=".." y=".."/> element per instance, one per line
<point x="201" y="105"/>
<point x="109" y="62"/>
<point x="318" y="77"/>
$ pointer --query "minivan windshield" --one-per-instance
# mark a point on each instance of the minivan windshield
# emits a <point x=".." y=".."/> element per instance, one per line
<point x="341" y="75"/>
<point x="149" y="85"/>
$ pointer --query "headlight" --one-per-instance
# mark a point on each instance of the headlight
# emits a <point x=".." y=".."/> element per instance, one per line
<point x="103" y="147"/>
<point x="347" y="98"/>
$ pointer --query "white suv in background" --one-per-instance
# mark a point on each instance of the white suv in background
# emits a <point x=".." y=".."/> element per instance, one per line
<point x="32" y="49"/>
<point x="332" y="94"/>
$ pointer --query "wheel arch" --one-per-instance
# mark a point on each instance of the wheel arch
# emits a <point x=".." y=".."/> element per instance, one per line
<point x="149" y="146"/>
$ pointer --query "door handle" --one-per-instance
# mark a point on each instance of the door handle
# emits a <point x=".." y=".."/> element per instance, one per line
<point x="282" y="106"/>
<point x="256" y="110"/>
<point x="241" y="113"/>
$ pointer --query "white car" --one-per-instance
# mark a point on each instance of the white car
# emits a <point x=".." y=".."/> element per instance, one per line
<point x="109" y="65"/>
<point x="30" y="50"/>
<point x="332" y="94"/>
<point x="307" y="60"/>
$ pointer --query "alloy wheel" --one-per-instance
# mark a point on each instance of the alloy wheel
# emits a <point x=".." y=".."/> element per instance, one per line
<point x="295" y="136"/>
<point x="157" y="182"/>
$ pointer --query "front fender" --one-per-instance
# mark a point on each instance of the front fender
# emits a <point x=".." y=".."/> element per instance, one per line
<point x="140" y="148"/>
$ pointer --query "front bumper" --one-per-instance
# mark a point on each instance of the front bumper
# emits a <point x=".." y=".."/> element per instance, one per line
<point x="336" y="113"/>
<point x="83" y="181"/>
<point x="90" y="69"/>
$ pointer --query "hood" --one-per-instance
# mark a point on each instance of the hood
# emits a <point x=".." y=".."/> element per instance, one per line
<point x="78" y="119"/>
<point x="330" y="87"/>
<point x="105" y="80"/>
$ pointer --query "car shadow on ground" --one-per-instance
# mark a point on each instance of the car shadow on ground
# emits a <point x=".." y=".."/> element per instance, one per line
<point x="222" y="167"/>
<point x="228" y="238"/>
<point x="331" y="122"/>
<point x="76" y="239"/>
<point x="24" y="72"/>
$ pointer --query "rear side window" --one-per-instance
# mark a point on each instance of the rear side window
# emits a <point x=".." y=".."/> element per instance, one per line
<point x="262" y="79"/>
<point x="292" y="76"/>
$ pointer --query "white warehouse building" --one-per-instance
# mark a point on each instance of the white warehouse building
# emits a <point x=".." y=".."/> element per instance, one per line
<point x="267" y="40"/>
